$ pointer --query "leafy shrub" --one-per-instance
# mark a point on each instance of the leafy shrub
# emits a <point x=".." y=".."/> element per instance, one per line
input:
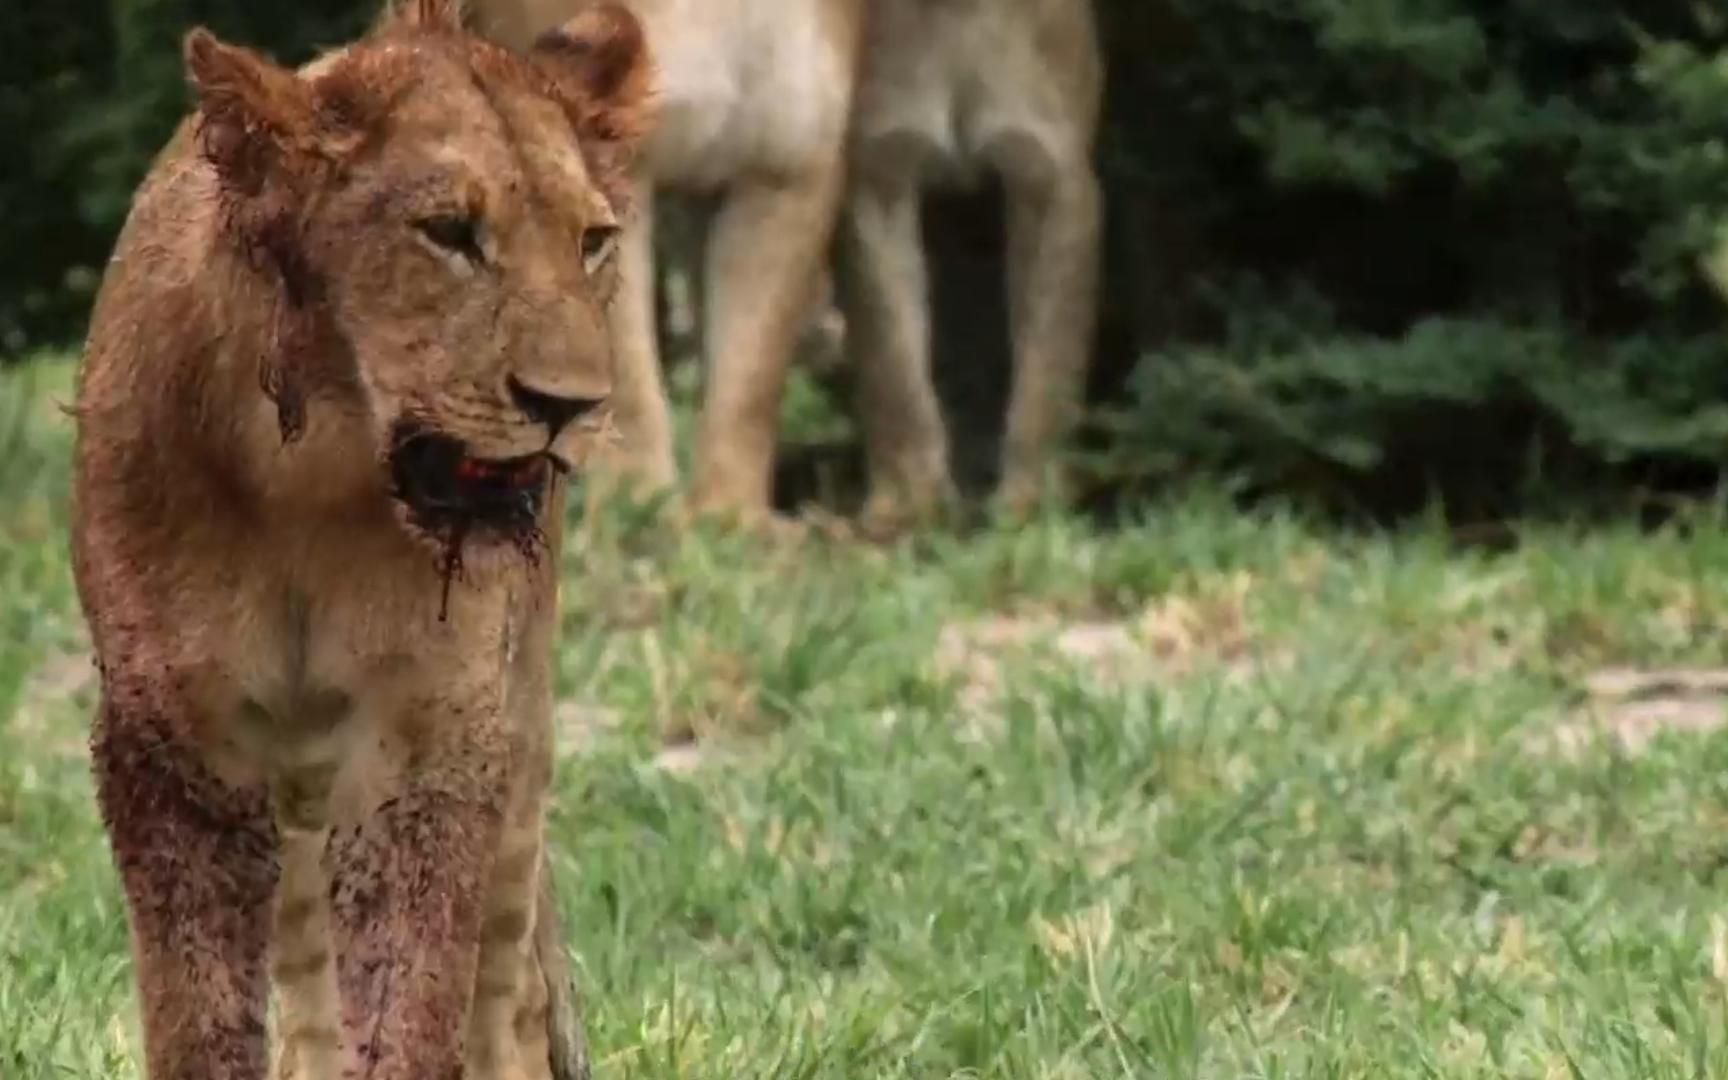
<point x="1467" y="226"/>
<point x="95" y="87"/>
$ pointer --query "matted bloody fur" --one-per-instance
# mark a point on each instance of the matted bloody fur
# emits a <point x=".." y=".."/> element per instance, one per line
<point x="314" y="782"/>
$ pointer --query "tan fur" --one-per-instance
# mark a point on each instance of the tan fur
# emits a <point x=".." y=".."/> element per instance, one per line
<point x="316" y="777"/>
<point x="951" y="89"/>
<point x="753" y="100"/>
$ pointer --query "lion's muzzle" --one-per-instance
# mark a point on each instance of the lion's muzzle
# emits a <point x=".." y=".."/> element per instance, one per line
<point x="448" y="490"/>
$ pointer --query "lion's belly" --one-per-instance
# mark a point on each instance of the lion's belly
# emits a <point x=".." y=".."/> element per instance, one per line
<point x="960" y="80"/>
<point x="761" y="92"/>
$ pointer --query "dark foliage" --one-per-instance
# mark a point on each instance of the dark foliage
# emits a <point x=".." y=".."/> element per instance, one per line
<point x="89" y="91"/>
<point x="1380" y="249"/>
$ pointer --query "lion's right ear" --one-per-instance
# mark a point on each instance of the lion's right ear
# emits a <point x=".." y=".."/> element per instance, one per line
<point x="254" y="117"/>
<point x="602" y="53"/>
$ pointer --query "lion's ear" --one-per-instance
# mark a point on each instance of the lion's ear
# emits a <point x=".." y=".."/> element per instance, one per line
<point x="428" y="14"/>
<point x="602" y="54"/>
<point x="254" y="116"/>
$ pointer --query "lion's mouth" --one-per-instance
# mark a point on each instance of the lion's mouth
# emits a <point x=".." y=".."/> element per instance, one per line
<point x="454" y="496"/>
<point x="451" y="493"/>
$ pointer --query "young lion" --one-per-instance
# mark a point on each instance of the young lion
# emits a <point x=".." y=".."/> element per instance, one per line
<point x="350" y="340"/>
<point x="753" y="99"/>
<point x="950" y="89"/>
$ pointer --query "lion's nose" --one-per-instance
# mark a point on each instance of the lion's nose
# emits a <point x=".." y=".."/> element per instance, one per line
<point x="554" y="410"/>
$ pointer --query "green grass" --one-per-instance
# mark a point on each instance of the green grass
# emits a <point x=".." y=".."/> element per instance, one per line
<point x="1216" y="795"/>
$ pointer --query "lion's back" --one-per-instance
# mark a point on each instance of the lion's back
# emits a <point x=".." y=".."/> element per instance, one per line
<point x="145" y="345"/>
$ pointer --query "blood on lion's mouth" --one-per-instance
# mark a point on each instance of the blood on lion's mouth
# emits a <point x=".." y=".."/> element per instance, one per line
<point x="453" y="494"/>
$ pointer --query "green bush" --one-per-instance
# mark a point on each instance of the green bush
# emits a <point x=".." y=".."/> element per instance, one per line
<point x="94" y="88"/>
<point x="1440" y="234"/>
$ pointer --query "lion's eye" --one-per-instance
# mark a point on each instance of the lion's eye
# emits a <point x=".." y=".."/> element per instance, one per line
<point x="457" y="234"/>
<point x="598" y="244"/>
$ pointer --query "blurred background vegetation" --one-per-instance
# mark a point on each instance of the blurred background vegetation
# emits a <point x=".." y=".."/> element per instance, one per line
<point x="1370" y="251"/>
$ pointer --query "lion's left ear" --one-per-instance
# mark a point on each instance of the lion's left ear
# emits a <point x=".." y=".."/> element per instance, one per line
<point x="602" y="55"/>
<point x="257" y="119"/>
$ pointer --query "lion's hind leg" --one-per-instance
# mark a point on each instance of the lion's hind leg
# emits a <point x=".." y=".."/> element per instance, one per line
<point x="1053" y="244"/>
<point x="308" y="1012"/>
<point x="303" y="967"/>
<point x="883" y="281"/>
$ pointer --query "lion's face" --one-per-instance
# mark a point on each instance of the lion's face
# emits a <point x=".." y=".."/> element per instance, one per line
<point x="468" y="263"/>
<point x="453" y="212"/>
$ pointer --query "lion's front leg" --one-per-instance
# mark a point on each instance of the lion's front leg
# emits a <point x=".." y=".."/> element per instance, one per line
<point x="410" y="886"/>
<point x="511" y="1024"/>
<point x="765" y="256"/>
<point x="197" y="862"/>
<point x="643" y="458"/>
